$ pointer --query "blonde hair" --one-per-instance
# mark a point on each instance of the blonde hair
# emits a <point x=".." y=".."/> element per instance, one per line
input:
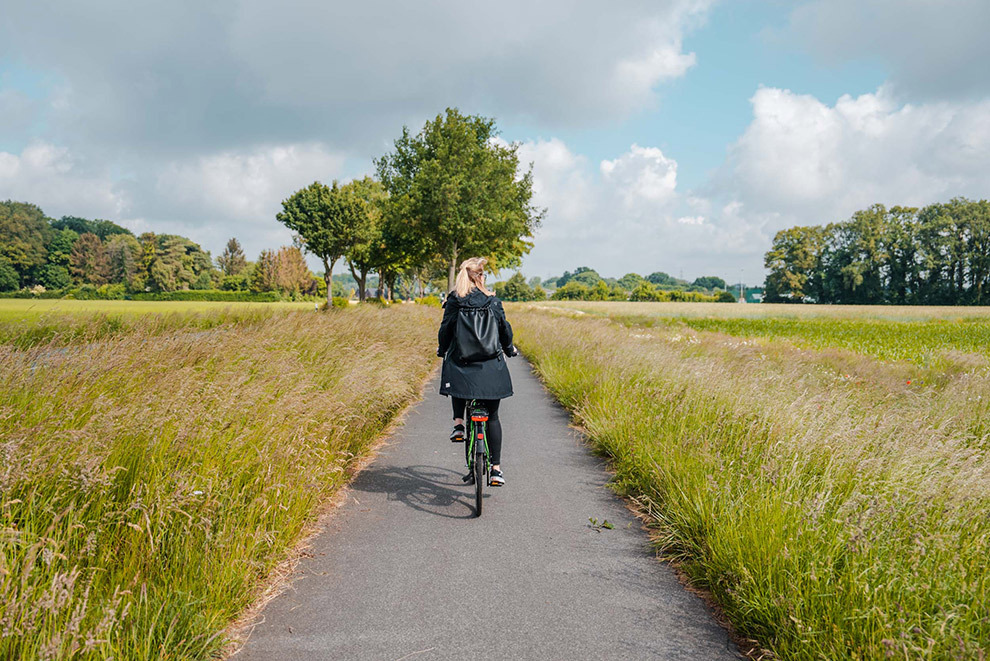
<point x="471" y="276"/>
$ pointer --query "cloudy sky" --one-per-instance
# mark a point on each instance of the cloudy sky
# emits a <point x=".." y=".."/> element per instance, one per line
<point x="673" y="135"/>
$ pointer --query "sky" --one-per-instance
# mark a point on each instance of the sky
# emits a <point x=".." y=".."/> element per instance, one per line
<point x="663" y="135"/>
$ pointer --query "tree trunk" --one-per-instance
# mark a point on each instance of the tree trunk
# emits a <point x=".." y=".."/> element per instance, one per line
<point x="452" y="271"/>
<point x="328" y="278"/>
<point x="360" y="281"/>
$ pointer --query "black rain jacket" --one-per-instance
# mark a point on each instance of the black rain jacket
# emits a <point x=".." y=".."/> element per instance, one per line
<point x="487" y="379"/>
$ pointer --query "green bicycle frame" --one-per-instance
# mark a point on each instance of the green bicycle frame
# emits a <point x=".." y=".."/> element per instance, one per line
<point x="477" y="432"/>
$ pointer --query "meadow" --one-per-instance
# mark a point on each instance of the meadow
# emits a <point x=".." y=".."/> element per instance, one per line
<point x="155" y="470"/>
<point x="922" y="335"/>
<point x="833" y="495"/>
<point x="27" y="322"/>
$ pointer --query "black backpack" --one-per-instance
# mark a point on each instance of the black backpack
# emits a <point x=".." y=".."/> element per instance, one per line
<point x="476" y="333"/>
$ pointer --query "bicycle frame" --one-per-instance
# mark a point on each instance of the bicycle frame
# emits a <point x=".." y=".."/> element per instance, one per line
<point x="477" y="440"/>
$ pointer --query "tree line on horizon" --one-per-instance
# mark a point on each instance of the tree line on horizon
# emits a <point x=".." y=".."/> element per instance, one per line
<point x="586" y="284"/>
<point x="934" y="255"/>
<point x="100" y="259"/>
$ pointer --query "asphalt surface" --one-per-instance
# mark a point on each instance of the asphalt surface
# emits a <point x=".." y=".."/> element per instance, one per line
<point x="405" y="571"/>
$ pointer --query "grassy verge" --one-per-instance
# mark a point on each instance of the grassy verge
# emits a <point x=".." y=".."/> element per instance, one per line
<point x="836" y="507"/>
<point x="150" y="480"/>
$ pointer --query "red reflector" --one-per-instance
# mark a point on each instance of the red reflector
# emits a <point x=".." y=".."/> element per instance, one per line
<point x="480" y="436"/>
<point x="478" y="418"/>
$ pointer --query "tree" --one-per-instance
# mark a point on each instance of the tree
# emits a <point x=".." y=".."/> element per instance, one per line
<point x="630" y="280"/>
<point x="9" y="278"/>
<point x="516" y="289"/>
<point x="88" y="262"/>
<point x="793" y="261"/>
<point x="709" y="282"/>
<point x="232" y="261"/>
<point x="646" y="291"/>
<point x="54" y="276"/>
<point x="367" y="249"/>
<point x="24" y="231"/>
<point x="582" y="274"/>
<point x="264" y="277"/>
<point x="101" y="228"/>
<point x="60" y="246"/>
<point x="322" y="217"/>
<point x="572" y="291"/>
<point x="534" y="282"/>
<point x="123" y="257"/>
<point x="459" y="190"/>
<point x="292" y="276"/>
<point x="726" y="297"/>
<point x="662" y="279"/>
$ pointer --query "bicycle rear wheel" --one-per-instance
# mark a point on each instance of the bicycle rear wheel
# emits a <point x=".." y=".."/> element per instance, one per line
<point x="479" y="481"/>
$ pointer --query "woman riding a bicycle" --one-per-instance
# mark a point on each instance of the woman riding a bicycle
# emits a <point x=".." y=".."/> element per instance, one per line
<point x="474" y="340"/>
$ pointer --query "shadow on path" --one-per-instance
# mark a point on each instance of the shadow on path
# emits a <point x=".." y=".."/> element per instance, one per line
<point x="431" y="489"/>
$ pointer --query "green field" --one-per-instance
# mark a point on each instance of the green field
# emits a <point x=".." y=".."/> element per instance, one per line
<point x="25" y="322"/>
<point x="14" y="309"/>
<point x="837" y="506"/>
<point x="921" y="335"/>
<point x="151" y="478"/>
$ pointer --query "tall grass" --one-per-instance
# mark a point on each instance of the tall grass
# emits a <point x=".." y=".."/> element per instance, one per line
<point x="837" y="507"/>
<point x="150" y="480"/>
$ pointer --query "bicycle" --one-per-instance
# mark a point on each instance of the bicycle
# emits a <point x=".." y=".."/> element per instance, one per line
<point x="476" y="451"/>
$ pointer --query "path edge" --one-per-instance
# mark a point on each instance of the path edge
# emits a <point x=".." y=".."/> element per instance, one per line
<point x="280" y="578"/>
<point x="748" y="648"/>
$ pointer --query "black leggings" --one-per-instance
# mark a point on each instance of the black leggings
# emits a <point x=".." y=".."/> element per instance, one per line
<point x="494" y="425"/>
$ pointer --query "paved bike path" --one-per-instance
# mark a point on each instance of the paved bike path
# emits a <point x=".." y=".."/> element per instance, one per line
<point x="404" y="570"/>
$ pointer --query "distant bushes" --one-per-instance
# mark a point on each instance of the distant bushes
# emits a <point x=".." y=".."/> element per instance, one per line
<point x="210" y="295"/>
<point x="643" y="291"/>
<point x="432" y="301"/>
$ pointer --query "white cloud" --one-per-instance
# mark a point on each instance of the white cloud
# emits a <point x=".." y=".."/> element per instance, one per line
<point x="800" y="161"/>
<point x="213" y="197"/>
<point x="624" y="216"/>
<point x="813" y="163"/>
<point x="643" y="176"/>
<point x="188" y="77"/>
<point x="246" y="186"/>
<point x="62" y="183"/>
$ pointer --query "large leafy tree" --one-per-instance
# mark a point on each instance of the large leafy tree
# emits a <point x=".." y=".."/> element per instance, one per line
<point x="793" y="262"/>
<point x="323" y="217"/>
<point x="24" y="231"/>
<point x="460" y="192"/>
<point x="88" y="261"/>
<point x="367" y="250"/>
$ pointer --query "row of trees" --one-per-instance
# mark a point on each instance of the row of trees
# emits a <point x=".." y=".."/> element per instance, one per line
<point x="590" y="278"/>
<point x="77" y="252"/>
<point x="631" y="287"/>
<point x="936" y="255"/>
<point x="449" y="192"/>
<point x="36" y="250"/>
